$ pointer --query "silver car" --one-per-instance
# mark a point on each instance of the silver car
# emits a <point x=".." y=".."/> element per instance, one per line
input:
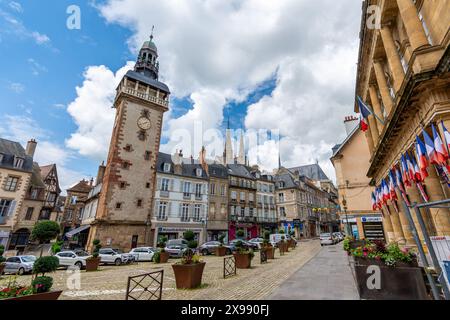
<point x="19" y="264"/>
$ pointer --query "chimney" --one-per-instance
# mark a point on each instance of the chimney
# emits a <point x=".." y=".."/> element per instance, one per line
<point x="350" y="123"/>
<point x="100" y="173"/>
<point x="31" y="148"/>
<point x="91" y="182"/>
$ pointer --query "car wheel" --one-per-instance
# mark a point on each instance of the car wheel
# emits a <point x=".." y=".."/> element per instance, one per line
<point x="79" y="264"/>
<point x="118" y="262"/>
<point x="205" y="252"/>
<point x="21" y="271"/>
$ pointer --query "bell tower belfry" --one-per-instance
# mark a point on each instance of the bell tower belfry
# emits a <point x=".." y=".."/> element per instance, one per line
<point x="125" y="204"/>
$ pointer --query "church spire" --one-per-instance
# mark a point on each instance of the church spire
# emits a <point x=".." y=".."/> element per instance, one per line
<point x="241" y="157"/>
<point x="147" y="62"/>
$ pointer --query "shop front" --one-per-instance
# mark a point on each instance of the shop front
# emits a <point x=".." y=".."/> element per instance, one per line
<point x="373" y="227"/>
<point x="176" y="232"/>
<point x="250" y="230"/>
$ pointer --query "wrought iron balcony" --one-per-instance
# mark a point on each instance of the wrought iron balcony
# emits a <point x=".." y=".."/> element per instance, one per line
<point x="143" y="95"/>
<point x="162" y="218"/>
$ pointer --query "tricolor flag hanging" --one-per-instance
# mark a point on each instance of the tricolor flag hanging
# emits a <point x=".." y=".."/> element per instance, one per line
<point x="404" y="169"/>
<point x="374" y="202"/>
<point x="392" y="186"/>
<point x="417" y="174"/>
<point x="379" y="198"/>
<point x="429" y="146"/>
<point x="439" y="147"/>
<point x="365" y="113"/>
<point x="410" y="165"/>
<point x="422" y="157"/>
<point x="446" y="136"/>
<point x="400" y="185"/>
<point x="386" y="194"/>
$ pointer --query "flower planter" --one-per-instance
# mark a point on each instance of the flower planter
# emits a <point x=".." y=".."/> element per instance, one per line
<point x="188" y="276"/>
<point x="390" y="283"/>
<point x="92" y="264"/>
<point x="221" y="251"/>
<point x="53" y="295"/>
<point x="2" y="267"/>
<point x="243" y="260"/>
<point x="270" y="251"/>
<point x="368" y="262"/>
<point x="163" y="257"/>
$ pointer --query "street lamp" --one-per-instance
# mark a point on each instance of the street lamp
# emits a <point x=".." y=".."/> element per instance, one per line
<point x="344" y="205"/>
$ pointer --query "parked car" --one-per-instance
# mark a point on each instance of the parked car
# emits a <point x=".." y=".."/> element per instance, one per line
<point x="175" y="242"/>
<point x="257" y="241"/>
<point x="327" y="238"/>
<point x="113" y="256"/>
<point x="176" y="251"/>
<point x="19" y="265"/>
<point x="339" y="236"/>
<point x="211" y="246"/>
<point x="72" y="258"/>
<point x="245" y="244"/>
<point x="275" y="238"/>
<point x="143" y="253"/>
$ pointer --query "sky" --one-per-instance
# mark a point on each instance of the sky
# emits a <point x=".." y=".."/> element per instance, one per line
<point x="288" y="66"/>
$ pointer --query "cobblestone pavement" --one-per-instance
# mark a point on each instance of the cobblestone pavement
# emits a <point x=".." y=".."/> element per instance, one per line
<point x="250" y="284"/>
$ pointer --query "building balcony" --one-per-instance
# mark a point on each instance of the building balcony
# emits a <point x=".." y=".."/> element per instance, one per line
<point x="142" y="95"/>
<point x="164" y="194"/>
<point x="161" y="218"/>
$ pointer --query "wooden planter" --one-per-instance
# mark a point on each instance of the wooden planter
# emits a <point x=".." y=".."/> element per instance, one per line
<point x="292" y="244"/>
<point x="221" y="251"/>
<point x="92" y="264"/>
<point x="368" y="262"/>
<point x="270" y="251"/>
<point x="243" y="260"/>
<point x="395" y="283"/>
<point x="53" y="295"/>
<point x="188" y="276"/>
<point x="2" y="267"/>
<point x="163" y="257"/>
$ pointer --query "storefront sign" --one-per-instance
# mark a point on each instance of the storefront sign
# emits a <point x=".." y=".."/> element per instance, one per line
<point x="163" y="229"/>
<point x="371" y="219"/>
<point x="350" y="220"/>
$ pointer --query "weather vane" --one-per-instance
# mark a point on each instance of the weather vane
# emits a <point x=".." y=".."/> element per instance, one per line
<point x="151" y="36"/>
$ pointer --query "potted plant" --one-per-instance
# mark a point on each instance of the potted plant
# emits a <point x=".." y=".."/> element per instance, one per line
<point x="189" y="271"/>
<point x="161" y="256"/>
<point x="45" y="231"/>
<point x="243" y="257"/>
<point x="41" y="284"/>
<point x="221" y="250"/>
<point x="93" y="261"/>
<point x="2" y="259"/>
<point x="292" y="242"/>
<point x="267" y="246"/>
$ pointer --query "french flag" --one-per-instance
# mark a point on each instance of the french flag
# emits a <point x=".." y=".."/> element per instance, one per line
<point x="439" y="147"/>
<point x="411" y="170"/>
<point x="446" y="135"/>
<point x="374" y="202"/>
<point x="405" y="171"/>
<point x="386" y="193"/>
<point x="365" y="113"/>
<point x="417" y="174"/>
<point x="379" y="198"/>
<point x="429" y="146"/>
<point x="392" y="185"/>
<point x="422" y="157"/>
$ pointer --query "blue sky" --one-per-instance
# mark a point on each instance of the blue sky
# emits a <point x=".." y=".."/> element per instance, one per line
<point x="43" y="63"/>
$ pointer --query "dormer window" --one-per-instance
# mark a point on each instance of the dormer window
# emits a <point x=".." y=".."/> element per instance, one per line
<point x="166" y="167"/>
<point x="18" y="162"/>
<point x="281" y="184"/>
<point x="198" y="172"/>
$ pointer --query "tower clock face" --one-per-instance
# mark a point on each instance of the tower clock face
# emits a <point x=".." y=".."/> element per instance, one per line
<point x="144" y="123"/>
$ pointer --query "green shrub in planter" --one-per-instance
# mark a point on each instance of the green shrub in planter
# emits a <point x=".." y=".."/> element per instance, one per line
<point x="162" y="243"/>
<point x="157" y="257"/>
<point x="45" y="265"/>
<point x="221" y="238"/>
<point x="97" y="247"/>
<point x="2" y="251"/>
<point x="281" y="231"/>
<point x="56" y="247"/>
<point x="240" y="233"/>
<point x="42" y="284"/>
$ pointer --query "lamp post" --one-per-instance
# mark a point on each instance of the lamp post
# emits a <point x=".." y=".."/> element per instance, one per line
<point x="344" y="206"/>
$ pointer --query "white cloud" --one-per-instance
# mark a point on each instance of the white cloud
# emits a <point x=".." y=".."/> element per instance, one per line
<point x="17" y="87"/>
<point x="36" y="68"/>
<point x="16" y="6"/>
<point x="218" y="51"/>
<point x="23" y="128"/>
<point x="92" y="112"/>
<point x="40" y="38"/>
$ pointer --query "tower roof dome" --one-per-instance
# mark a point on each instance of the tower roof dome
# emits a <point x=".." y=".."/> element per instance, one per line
<point x="150" y="45"/>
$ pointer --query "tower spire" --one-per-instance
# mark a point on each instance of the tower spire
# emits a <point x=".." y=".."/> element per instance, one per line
<point x="147" y="62"/>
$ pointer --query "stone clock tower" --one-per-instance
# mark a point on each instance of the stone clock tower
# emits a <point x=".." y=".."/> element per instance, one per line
<point x="126" y="199"/>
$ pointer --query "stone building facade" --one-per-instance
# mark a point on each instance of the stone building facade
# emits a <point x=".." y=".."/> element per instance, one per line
<point x="125" y="204"/>
<point x="265" y="203"/>
<point x="403" y="73"/>
<point x="75" y="205"/>
<point x="217" y="202"/>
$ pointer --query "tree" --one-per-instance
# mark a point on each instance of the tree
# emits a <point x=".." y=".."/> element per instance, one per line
<point x="44" y="231"/>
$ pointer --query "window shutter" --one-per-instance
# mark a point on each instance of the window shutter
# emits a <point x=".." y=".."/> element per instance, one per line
<point x="171" y="185"/>
<point x="12" y="207"/>
<point x="191" y="211"/>
<point x="180" y="209"/>
<point x="169" y="207"/>
<point x="246" y="211"/>
<point x="156" y="208"/>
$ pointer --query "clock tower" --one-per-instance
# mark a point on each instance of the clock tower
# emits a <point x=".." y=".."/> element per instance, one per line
<point x="124" y="211"/>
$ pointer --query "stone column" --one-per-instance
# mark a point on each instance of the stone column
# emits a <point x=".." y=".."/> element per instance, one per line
<point x="397" y="226"/>
<point x="376" y="106"/>
<point x="369" y="140"/>
<point x="374" y="130"/>
<point x="413" y="25"/>
<point x="393" y="57"/>
<point x="439" y="216"/>
<point x="388" y="230"/>
<point x="383" y="86"/>
<point x="405" y="223"/>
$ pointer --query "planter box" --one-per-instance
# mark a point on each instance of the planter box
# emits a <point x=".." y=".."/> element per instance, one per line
<point x="92" y="264"/>
<point x="270" y="251"/>
<point x="2" y="267"/>
<point x="163" y="257"/>
<point x="243" y="261"/>
<point x="188" y="276"/>
<point x="53" y="295"/>
<point x="367" y="262"/>
<point x="395" y="283"/>
<point x="221" y="251"/>
<point x="357" y="243"/>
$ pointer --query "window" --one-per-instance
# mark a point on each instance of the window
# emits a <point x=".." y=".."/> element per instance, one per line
<point x="128" y="147"/>
<point x="251" y="212"/>
<point x="148" y="155"/>
<point x="139" y="203"/>
<point x="11" y="184"/>
<point x="5" y="207"/>
<point x="425" y="28"/>
<point x="242" y="196"/>
<point x="34" y="193"/>
<point x="185" y="212"/>
<point x="125" y="165"/>
<point x="165" y="184"/>
<point x="147" y="185"/>
<point x="141" y="135"/>
<point x="222" y="190"/>
<point x="251" y="197"/>
<point x="122" y="185"/>
<point x="29" y="213"/>
<point x="119" y="205"/>
<point x="282" y="212"/>
<point x="162" y="210"/>
<point x="18" y="162"/>
<point x="198" y="172"/>
<point x="198" y="190"/>
<point x="233" y="195"/>
<point x="213" y="189"/>
<point x="51" y="197"/>
<point x="197" y="209"/>
<point x="242" y="211"/>
<point x="166" y="167"/>
<point x="69" y="214"/>
<point x="186" y="189"/>
<point x="281" y="197"/>
<point x="73" y="200"/>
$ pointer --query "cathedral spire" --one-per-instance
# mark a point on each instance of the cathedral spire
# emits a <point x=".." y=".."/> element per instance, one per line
<point x="241" y="157"/>
<point x="147" y="62"/>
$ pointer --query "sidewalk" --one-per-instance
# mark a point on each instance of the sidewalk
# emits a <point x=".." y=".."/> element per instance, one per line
<point x="327" y="276"/>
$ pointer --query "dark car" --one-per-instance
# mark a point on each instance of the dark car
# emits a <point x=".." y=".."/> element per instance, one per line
<point x="176" y="251"/>
<point x="245" y="244"/>
<point x="211" y="246"/>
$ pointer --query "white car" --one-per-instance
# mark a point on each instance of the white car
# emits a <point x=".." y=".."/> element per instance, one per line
<point x="277" y="237"/>
<point x="326" y="238"/>
<point x="108" y="256"/>
<point x="143" y="253"/>
<point x="257" y="241"/>
<point x="339" y="236"/>
<point x="72" y="258"/>
<point x="19" y="265"/>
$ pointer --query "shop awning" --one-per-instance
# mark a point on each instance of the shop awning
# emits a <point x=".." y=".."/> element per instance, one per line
<point x="73" y="232"/>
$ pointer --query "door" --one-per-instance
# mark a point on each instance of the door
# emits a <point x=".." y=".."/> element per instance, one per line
<point x="134" y="241"/>
<point x="12" y="265"/>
